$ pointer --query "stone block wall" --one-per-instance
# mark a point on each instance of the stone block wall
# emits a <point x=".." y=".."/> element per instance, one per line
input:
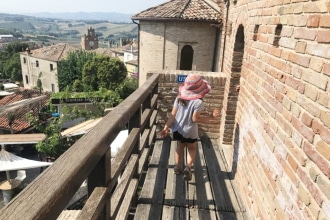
<point x="168" y="90"/>
<point x="282" y="138"/>
<point x="161" y="42"/>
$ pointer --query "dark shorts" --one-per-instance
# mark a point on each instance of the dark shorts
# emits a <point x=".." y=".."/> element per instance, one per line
<point x="178" y="137"/>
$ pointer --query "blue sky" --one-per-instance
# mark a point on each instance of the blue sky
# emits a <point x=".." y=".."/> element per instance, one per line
<point x="120" y="6"/>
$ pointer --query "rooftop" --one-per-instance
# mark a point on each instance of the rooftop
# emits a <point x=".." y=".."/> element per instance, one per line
<point x="17" y="105"/>
<point x="190" y="10"/>
<point x="52" y="53"/>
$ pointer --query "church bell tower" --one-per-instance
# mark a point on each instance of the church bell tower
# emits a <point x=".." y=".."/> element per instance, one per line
<point x="90" y="41"/>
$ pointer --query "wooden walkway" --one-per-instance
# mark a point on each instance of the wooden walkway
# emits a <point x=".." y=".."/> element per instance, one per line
<point x="209" y="195"/>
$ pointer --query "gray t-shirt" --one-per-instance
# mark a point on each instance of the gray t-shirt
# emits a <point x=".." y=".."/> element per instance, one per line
<point x="183" y="120"/>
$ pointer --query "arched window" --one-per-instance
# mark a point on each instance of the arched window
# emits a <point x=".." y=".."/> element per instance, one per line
<point x="187" y="54"/>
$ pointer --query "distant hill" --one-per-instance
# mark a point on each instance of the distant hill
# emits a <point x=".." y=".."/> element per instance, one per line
<point x="108" y="16"/>
<point x="44" y="29"/>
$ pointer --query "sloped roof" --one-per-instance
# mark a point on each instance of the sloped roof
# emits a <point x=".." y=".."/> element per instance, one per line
<point x="103" y="51"/>
<point x="22" y="138"/>
<point x="81" y="128"/>
<point x="52" y="53"/>
<point x="20" y="122"/>
<point x="196" y="10"/>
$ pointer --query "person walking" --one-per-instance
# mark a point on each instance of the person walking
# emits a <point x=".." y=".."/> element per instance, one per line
<point x="184" y="118"/>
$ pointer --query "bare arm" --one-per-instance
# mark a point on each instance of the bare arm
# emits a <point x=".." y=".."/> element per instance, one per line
<point x="169" y="123"/>
<point x="198" y="118"/>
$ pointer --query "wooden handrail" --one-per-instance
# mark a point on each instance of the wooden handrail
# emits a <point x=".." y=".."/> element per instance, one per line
<point x="48" y="195"/>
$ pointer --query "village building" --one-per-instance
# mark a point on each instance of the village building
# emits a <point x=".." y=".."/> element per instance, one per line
<point x="15" y="106"/>
<point x="41" y="64"/>
<point x="178" y="35"/>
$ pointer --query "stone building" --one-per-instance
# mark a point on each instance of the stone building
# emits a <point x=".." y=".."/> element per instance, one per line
<point x="275" y="125"/>
<point x="42" y="64"/>
<point x="172" y="36"/>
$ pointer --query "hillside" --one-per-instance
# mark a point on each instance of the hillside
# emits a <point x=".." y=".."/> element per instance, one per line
<point x="47" y="31"/>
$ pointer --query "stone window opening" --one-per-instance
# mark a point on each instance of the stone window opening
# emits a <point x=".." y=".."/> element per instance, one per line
<point x="37" y="63"/>
<point x="186" y="59"/>
<point x="255" y="31"/>
<point x="26" y="79"/>
<point x="278" y="31"/>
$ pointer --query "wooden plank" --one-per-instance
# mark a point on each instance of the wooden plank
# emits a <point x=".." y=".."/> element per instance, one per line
<point x="191" y="185"/>
<point x="153" y="102"/>
<point x="119" y="162"/>
<point x="153" y="118"/>
<point x="173" y="212"/>
<point x="126" y="203"/>
<point x="240" y="210"/>
<point x="199" y="187"/>
<point x="229" y="215"/>
<point x="94" y="205"/>
<point x="69" y="214"/>
<point x="152" y="136"/>
<point x="121" y="189"/>
<point x="143" y="160"/>
<point x="204" y="214"/>
<point x="144" y="139"/>
<point x="148" y="212"/>
<point x="153" y="188"/>
<point x="175" y="193"/>
<point x="145" y="118"/>
<point x="21" y="138"/>
<point x="223" y="193"/>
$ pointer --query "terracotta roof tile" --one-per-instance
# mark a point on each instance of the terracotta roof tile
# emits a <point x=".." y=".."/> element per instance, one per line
<point x="200" y="10"/>
<point x="20" y="123"/>
<point x="52" y="53"/>
<point x="103" y="51"/>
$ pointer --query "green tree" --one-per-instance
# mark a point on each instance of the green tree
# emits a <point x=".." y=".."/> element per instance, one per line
<point x="16" y="47"/>
<point x="103" y="72"/>
<point x="89" y="76"/>
<point x="12" y="68"/>
<point x="127" y="87"/>
<point x="55" y="145"/>
<point x="77" y="86"/>
<point x="112" y="74"/>
<point x="70" y="68"/>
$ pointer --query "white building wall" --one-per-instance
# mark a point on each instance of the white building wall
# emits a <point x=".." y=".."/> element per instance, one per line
<point x="33" y="72"/>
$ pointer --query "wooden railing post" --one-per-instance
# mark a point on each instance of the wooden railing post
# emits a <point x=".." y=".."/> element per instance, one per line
<point x="100" y="176"/>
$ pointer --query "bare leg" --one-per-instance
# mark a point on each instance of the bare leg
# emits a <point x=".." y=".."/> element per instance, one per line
<point x="179" y="153"/>
<point x="191" y="153"/>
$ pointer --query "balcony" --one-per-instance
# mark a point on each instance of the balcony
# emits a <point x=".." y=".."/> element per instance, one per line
<point x="139" y="182"/>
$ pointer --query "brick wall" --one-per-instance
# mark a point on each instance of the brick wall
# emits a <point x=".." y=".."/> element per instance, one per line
<point x="168" y="90"/>
<point x="283" y="108"/>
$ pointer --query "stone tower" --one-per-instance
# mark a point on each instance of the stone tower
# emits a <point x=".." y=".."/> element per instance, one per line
<point x="90" y="41"/>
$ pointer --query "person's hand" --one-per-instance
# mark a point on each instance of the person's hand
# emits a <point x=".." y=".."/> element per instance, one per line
<point x="215" y="113"/>
<point x="163" y="133"/>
